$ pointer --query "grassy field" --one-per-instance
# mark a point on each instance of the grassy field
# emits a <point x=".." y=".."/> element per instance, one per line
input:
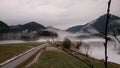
<point x="57" y="59"/>
<point x="8" y="51"/>
<point x="99" y="63"/>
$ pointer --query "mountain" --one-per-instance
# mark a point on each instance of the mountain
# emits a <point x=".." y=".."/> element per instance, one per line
<point x="52" y="28"/>
<point x="3" y="27"/>
<point x="31" y="26"/>
<point x="98" y="25"/>
<point x="74" y="28"/>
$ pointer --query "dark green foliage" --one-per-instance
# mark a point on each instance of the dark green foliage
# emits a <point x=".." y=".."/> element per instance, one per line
<point x="25" y="37"/>
<point x="66" y="43"/>
<point x="48" y="34"/>
<point x="3" y="27"/>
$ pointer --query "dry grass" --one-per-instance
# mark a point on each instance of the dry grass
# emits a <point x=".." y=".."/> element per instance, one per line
<point x="60" y="59"/>
<point x="57" y="59"/>
<point x="29" y="60"/>
<point x="8" y="51"/>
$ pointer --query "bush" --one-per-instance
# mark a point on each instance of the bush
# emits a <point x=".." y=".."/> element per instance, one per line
<point x="66" y="43"/>
<point x="119" y="50"/>
<point x="25" y="37"/>
<point x="78" y="45"/>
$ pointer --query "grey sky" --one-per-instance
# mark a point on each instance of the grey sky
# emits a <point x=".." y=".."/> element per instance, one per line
<point x="58" y="13"/>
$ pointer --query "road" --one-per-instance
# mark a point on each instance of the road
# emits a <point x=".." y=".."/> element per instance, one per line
<point x="24" y="57"/>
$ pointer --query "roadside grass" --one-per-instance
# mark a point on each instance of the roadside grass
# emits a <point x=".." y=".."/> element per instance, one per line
<point x="8" y="51"/>
<point x="98" y="63"/>
<point x="28" y="61"/>
<point x="59" y="59"/>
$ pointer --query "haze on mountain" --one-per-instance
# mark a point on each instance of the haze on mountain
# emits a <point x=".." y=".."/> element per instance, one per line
<point x="31" y="26"/>
<point x="3" y="27"/>
<point x="57" y="13"/>
<point x="98" y="25"/>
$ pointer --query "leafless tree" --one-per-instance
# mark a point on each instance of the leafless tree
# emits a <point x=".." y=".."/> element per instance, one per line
<point x="65" y="46"/>
<point x="114" y="34"/>
<point x="87" y="48"/>
<point x="106" y="34"/>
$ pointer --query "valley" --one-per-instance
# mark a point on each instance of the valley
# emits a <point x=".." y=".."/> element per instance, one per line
<point x="86" y="42"/>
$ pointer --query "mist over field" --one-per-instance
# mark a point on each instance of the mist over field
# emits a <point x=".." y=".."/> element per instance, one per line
<point x="63" y="34"/>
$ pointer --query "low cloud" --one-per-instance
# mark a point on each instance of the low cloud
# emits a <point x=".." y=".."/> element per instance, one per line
<point x="57" y="13"/>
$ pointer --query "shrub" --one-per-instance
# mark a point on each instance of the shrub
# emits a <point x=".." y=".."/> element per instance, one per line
<point x="78" y="44"/>
<point x="66" y="43"/>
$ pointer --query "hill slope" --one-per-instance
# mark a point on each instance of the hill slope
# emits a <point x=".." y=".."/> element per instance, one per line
<point x="31" y="26"/>
<point x="74" y="28"/>
<point x="3" y="27"/>
<point x="98" y="25"/>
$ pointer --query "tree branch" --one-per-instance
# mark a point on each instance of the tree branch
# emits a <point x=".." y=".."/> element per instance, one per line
<point x="106" y="34"/>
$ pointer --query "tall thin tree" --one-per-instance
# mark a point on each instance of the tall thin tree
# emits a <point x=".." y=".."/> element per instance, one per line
<point x="106" y="33"/>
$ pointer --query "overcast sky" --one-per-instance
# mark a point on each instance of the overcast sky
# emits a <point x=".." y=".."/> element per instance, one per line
<point x="57" y="13"/>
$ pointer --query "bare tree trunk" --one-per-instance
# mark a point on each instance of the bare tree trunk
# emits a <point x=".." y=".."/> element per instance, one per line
<point x="106" y="34"/>
<point x="47" y="40"/>
<point x="114" y="34"/>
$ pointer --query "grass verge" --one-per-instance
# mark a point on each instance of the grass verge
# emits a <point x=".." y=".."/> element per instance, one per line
<point x="98" y="63"/>
<point x="8" y="51"/>
<point x="26" y="62"/>
<point x="58" y="59"/>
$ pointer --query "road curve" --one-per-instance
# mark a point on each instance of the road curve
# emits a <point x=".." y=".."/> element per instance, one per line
<point x="24" y="57"/>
